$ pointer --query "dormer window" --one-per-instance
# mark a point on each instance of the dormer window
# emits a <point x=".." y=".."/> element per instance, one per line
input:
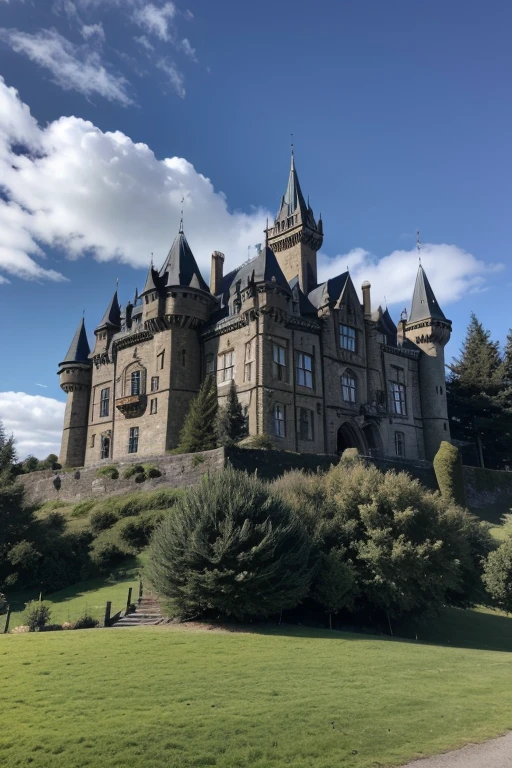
<point x="348" y="338"/>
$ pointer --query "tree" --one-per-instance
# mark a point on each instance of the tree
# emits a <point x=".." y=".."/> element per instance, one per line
<point x="450" y="474"/>
<point x="498" y="575"/>
<point x="231" y="422"/>
<point x="230" y="548"/>
<point x="478" y="414"/>
<point x="199" y="429"/>
<point x="335" y="582"/>
<point x="7" y="456"/>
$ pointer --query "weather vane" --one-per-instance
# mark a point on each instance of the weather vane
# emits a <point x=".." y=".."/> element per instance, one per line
<point x="181" y="220"/>
<point x="291" y="135"/>
<point x="418" y="245"/>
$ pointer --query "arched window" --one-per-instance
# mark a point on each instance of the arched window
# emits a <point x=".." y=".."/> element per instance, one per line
<point x="400" y="444"/>
<point x="348" y="387"/>
<point x="134" y="380"/>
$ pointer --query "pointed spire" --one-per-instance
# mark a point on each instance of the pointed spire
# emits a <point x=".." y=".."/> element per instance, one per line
<point x="180" y="266"/>
<point x="293" y="197"/>
<point x="112" y="316"/>
<point x="151" y="280"/>
<point x="424" y="303"/>
<point x="79" y="350"/>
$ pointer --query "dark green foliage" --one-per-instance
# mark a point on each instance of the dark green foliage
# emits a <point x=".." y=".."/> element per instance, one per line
<point x="110" y="471"/>
<point x="136" y="531"/>
<point x="261" y="442"/>
<point x="479" y="393"/>
<point x="199" y="429"/>
<point x="231" y="548"/>
<point x="7" y="457"/>
<point x="86" y="621"/>
<point x="412" y="551"/>
<point x="449" y="473"/>
<point x="56" y="520"/>
<point x="231" y="422"/>
<point x="335" y="582"/>
<point x="151" y="471"/>
<point x="24" y="557"/>
<point x="37" y="615"/>
<point x="83" y="507"/>
<point x="33" y="464"/>
<point x="498" y="575"/>
<point x="132" y="470"/>
<point x="101" y="519"/>
<point x="3" y="604"/>
<point x="109" y="550"/>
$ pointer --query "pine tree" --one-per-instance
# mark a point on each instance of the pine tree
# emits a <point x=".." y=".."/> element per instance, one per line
<point x="7" y="456"/>
<point x="475" y="396"/>
<point x="199" y="429"/>
<point x="231" y="423"/>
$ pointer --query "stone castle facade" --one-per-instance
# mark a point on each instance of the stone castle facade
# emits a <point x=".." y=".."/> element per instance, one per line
<point x="314" y="368"/>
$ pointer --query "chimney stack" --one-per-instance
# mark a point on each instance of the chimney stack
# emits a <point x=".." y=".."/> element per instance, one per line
<point x="367" y="303"/>
<point x="216" y="272"/>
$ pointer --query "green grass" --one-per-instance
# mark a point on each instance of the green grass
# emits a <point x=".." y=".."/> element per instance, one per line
<point x="149" y="698"/>
<point x="70" y="603"/>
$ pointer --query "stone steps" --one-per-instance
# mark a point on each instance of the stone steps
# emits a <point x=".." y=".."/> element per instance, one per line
<point x="147" y="613"/>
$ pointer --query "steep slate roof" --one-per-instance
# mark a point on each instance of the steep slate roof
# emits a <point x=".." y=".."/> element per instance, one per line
<point x="305" y="305"/>
<point x="79" y="350"/>
<point x="424" y="303"/>
<point x="388" y="327"/>
<point x="293" y="200"/>
<point x="263" y="269"/>
<point x="112" y="316"/>
<point x="328" y="292"/>
<point x="180" y="266"/>
<point x="151" y="280"/>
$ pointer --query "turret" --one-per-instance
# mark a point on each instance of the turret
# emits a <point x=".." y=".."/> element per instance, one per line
<point x="430" y="331"/>
<point x="109" y="325"/>
<point x="296" y="237"/>
<point x="75" y="374"/>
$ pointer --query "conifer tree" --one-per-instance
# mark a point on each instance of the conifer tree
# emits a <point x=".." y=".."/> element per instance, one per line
<point x="199" y="431"/>
<point x="475" y="396"/>
<point x="231" y="424"/>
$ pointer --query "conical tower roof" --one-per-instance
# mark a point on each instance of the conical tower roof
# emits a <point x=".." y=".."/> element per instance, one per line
<point x="424" y="304"/>
<point x="79" y="350"/>
<point x="293" y="202"/>
<point x="180" y="266"/>
<point x="151" y="282"/>
<point x="112" y="316"/>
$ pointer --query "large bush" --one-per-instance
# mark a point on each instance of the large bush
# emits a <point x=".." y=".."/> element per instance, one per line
<point x="406" y="551"/>
<point x="231" y="548"/>
<point x="37" y="615"/>
<point x="498" y="575"/>
<point x="450" y="474"/>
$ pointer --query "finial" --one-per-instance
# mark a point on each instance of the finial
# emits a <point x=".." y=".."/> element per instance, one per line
<point x="83" y="313"/>
<point x="151" y="259"/>
<point x="386" y="302"/>
<point x="117" y="283"/>
<point x="291" y="135"/>
<point x="418" y="245"/>
<point x="181" y="219"/>
<point x="266" y="234"/>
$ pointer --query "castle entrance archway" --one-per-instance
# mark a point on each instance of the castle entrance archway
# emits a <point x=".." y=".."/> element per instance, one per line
<point x="350" y="436"/>
<point x="373" y="440"/>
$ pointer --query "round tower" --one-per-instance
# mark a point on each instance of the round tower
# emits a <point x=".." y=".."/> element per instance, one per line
<point x="75" y="375"/>
<point x="429" y="330"/>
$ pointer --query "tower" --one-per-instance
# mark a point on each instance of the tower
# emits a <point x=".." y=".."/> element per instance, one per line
<point x="430" y="331"/>
<point x="296" y="236"/>
<point x="75" y="373"/>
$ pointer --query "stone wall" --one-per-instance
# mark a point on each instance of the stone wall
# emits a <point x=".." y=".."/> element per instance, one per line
<point x="177" y="472"/>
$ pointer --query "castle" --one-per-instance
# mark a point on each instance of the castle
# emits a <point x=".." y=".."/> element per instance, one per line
<point x="314" y="369"/>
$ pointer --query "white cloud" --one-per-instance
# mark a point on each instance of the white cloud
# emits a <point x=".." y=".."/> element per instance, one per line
<point x="452" y="272"/>
<point x="101" y="194"/>
<point x="74" y="68"/>
<point x="36" y="422"/>
<point x="94" y="31"/>
<point x="174" y="76"/>
<point x="144" y="42"/>
<point x="156" y="20"/>
<point x="188" y="50"/>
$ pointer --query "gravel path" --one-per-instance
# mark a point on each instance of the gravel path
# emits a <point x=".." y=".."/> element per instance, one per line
<point x="492" y="754"/>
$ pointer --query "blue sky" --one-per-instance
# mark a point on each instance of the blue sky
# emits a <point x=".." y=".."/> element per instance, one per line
<point x="401" y="115"/>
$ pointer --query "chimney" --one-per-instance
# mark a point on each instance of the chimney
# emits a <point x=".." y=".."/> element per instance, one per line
<point x="367" y="302"/>
<point x="217" y="272"/>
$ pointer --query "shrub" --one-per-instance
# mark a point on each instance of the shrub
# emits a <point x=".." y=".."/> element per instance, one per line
<point x="164" y="498"/>
<point x="83" y="508"/>
<point x="335" y="583"/>
<point x="231" y="422"/>
<point x="51" y="628"/>
<point x="3" y="604"/>
<point x="24" y="556"/>
<point x="450" y="474"/>
<point x="108" y="550"/>
<point x="49" y="506"/>
<point x="86" y="621"/>
<point x="151" y="471"/>
<point x="56" y="520"/>
<point x="498" y="575"/>
<point x="230" y="547"/>
<point x="110" y="471"/>
<point x="134" y="531"/>
<point x="199" y="428"/>
<point x="132" y="470"/>
<point x="101" y="519"/>
<point x="261" y="442"/>
<point x="197" y="459"/>
<point x="37" y="615"/>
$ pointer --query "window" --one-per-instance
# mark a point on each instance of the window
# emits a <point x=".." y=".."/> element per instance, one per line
<point x="441" y="390"/>
<point x="399" y="444"/>
<point x="279" y="420"/>
<point x="226" y="369"/>
<point x="305" y="421"/>
<point x="348" y="387"/>
<point x="398" y="398"/>
<point x="445" y="427"/>
<point x="305" y="370"/>
<point x="210" y="364"/>
<point x="135" y="382"/>
<point x="133" y="440"/>
<point x="160" y="359"/>
<point x="105" y="446"/>
<point x="93" y="439"/>
<point x="348" y="338"/>
<point x="153" y="405"/>
<point x="248" y="364"/>
<point x="104" y="401"/>
<point x="155" y="382"/>
<point x="279" y="365"/>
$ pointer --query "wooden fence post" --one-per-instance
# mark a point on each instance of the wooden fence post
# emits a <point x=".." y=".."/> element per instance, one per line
<point x="108" y="608"/>
<point x="140" y="589"/>
<point x="7" y="619"/>
<point x="129" y="600"/>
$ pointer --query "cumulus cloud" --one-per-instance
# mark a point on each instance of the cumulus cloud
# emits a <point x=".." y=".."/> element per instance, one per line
<point x="100" y="194"/>
<point x="156" y="20"/>
<point x="89" y="31"/>
<point x="144" y="42"/>
<point x="174" y="76"/>
<point x="188" y="50"/>
<point x="453" y="271"/>
<point x="77" y="68"/>
<point x="34" y="420"/>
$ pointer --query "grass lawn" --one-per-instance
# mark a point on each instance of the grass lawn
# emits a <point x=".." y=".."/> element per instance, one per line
<point x="155" y="697"/>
